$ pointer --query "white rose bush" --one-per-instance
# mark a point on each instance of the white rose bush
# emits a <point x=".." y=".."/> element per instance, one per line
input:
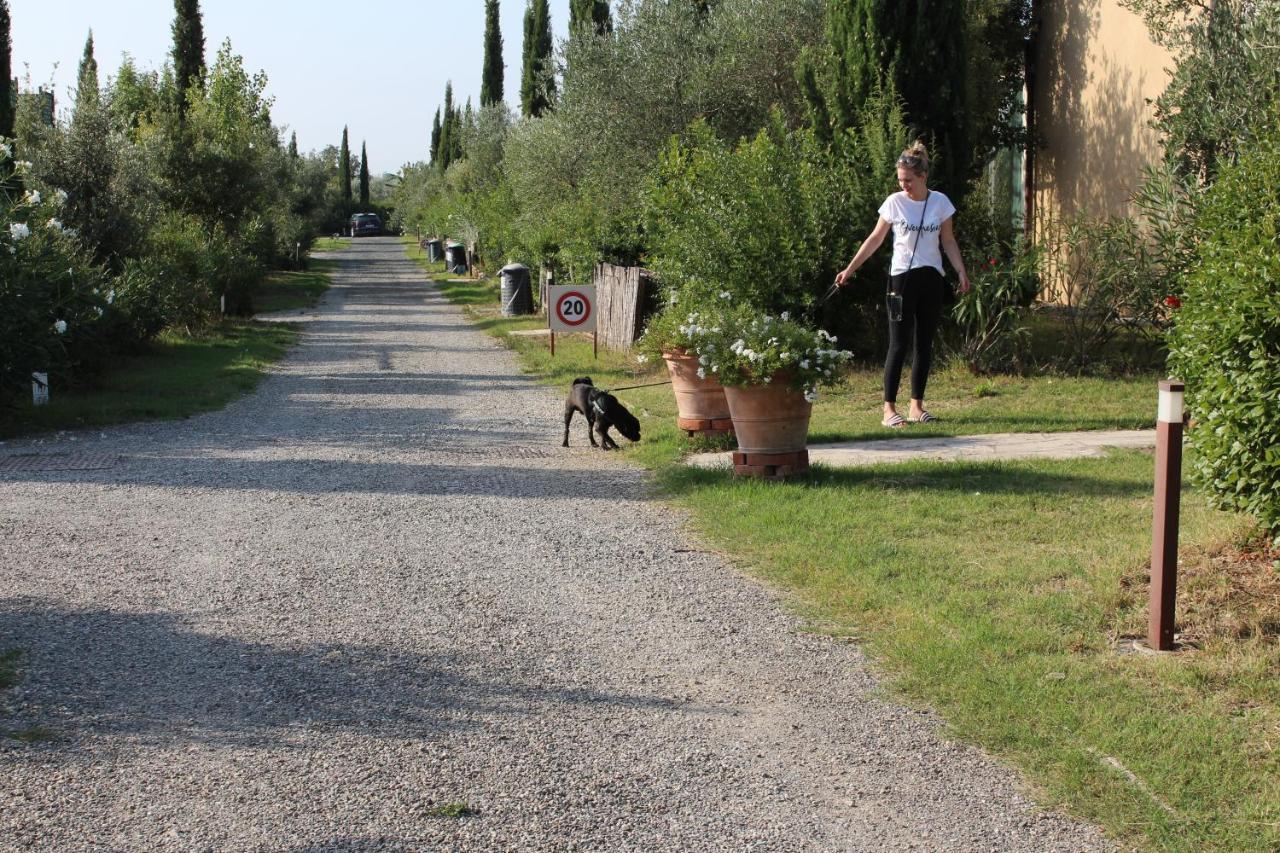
<point x="53" y="316"/>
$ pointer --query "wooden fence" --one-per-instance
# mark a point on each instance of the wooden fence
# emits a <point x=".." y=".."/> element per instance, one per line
<point x="622" y="294"/>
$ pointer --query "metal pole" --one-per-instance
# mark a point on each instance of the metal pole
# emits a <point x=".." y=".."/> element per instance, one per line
<point x="595" y="344"/>
<point x="553" y="344"/>
<point x="1164" y="526"/>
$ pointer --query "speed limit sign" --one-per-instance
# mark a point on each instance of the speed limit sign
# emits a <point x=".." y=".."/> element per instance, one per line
<point x="572" y="307"/>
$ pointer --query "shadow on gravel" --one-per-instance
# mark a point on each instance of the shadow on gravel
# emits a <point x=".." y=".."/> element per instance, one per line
<point x="149" y="676"/>
<point x="328" y="477"/>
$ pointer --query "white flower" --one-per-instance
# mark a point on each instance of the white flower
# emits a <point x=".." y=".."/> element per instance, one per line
<point x="60" y="327"/>
<point x="641" y="358"/>
<point x="786" y="356"/>
<point x="32" y="197"/>
<point x="811" y="395"/>
<point x="786" y="315"/>
<point x="55" y="224"/>
<point x="6" y="149"/>
<point x="804" y="365"/>
<point x="22" y="165"/>
<point x="724" y="294"/>
<point x="702" y="373"/>
<point x="60" y="196"/>
<point x="768" y="379"/>
<point x="99" y="310"/>
<point x="703" y="360"/>
<point x="19" y="230"/>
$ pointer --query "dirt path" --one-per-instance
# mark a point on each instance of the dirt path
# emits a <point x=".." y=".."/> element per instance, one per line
<point x="379" y="587"/>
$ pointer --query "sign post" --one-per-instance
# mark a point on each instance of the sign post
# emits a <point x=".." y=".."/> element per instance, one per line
<point x="572" y="308"/>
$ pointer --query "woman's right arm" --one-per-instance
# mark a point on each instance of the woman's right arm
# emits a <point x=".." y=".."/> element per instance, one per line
<point x="866" y="250"/>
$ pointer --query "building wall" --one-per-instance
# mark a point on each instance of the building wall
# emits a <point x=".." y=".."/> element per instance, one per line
<point x="1096" y="70"/>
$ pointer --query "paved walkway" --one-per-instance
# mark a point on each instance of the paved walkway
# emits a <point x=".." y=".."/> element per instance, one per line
<point x="377" y="592"/>
<point x="963" y="448"/>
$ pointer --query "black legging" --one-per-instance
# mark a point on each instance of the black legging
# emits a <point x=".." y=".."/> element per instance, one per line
<point x="921" y="290"/>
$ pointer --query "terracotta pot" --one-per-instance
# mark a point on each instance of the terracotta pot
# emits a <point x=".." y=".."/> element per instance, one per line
<point x="700" y="403"/>
<point x="769" y="418"/>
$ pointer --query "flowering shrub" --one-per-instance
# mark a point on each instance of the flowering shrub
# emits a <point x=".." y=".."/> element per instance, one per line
<point x="55" y="308"/>
<point x="686" y="324"/>
<point x="752" y="348"/>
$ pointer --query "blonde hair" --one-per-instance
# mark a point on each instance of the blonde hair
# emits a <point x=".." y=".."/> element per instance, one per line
<point x="915" y="158"/>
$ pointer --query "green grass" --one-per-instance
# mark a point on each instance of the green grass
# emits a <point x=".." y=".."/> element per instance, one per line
<point x="330" y="244"/>
<point x="998" y="593"/>
<point x="178" y="375"/>
<point x="174" y="377"/>
<point x="294" y="289"/>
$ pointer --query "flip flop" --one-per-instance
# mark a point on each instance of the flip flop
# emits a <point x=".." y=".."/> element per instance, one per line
<point x="924" y="418"/>
<point x="894" y="421"/>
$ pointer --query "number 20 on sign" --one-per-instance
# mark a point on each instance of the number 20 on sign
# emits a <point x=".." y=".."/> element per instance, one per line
<point x="571" y="308"/>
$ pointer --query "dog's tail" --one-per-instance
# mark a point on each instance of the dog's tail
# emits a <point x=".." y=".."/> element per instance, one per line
<point x="584" y="380"/>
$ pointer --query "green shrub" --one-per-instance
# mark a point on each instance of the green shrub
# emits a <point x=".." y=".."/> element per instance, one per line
<point x="54" y="313"/>
<point x="1226" y="339"/>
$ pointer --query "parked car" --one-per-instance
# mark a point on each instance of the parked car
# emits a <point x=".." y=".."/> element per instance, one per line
<point x="365" y="225"/>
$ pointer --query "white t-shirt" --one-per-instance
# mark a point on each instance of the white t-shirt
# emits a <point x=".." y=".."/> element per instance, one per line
<point x="905" y="216"/>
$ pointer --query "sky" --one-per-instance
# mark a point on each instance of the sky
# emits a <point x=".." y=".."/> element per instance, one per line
<point x="378" y="67"/>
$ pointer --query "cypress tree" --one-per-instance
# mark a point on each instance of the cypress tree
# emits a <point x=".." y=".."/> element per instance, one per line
<point x="435" y="137"/>
<point x="444" y="156"/>
<point x="364" y="177"/>
<point x="188" y="50"/>
<point x="8" y="100"/>
<point x="537" y="86"/>
<point x="927" y="52"/>
<point x="919" y="47"/>
<point x="594" y="12"/>
<point x="293" y="146"/>
<point x="344" y="174"/>
<point x="87" y="76"/>
<point x="491" y="78"/>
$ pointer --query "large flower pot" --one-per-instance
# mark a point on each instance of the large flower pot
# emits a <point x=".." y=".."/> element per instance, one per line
<point x="700" y="403"/>
<point x="772" y="427"/>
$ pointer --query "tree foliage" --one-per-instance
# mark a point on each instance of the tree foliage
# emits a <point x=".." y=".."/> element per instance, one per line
<point x="593" y="13"/>
<point x="1226" y="75"/>
<point x="344" y="173"/>
<point x="87" y="75"/>
<point x="492" y="73"/>
<point x="6" y="74"/>
<point x="1226" y="339"/>
<point x="188" y="51"/>
<point x="364" y="177"/>
<point x="537" y="85"/>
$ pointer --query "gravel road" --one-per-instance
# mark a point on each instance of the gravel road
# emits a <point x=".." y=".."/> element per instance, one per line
<point x="379" y="587"/>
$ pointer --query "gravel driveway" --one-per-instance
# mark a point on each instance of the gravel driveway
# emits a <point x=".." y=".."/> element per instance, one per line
<point x="379" y="586"/>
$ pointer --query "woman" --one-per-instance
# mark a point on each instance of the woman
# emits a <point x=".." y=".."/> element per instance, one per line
<point x="922" y="230"/>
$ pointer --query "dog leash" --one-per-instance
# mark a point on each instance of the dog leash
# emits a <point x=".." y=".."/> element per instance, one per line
<point x="630" y="387"/>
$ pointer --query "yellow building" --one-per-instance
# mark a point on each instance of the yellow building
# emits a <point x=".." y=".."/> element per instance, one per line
<point x="1094" y="75"/>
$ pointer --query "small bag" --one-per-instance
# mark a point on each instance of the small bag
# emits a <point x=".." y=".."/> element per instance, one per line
<point x="893" y="303"/>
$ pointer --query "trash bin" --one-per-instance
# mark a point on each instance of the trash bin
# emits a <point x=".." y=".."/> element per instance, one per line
<point x="516" y="291"/>
<point x="435" y="250"/>
<point x="455" y="258"/>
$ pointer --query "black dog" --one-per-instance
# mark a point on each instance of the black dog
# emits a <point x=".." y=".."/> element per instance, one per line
<point x="602" y="410"/>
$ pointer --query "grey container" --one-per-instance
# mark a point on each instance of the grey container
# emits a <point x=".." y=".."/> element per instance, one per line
<point x="517" y="293"/>
<point x="435" y="250"/>
<point x="455" y="257"/>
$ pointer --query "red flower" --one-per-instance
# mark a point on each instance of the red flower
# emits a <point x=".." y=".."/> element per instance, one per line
<point x="991" y="262"/>
<point x="1173" y="301"/>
